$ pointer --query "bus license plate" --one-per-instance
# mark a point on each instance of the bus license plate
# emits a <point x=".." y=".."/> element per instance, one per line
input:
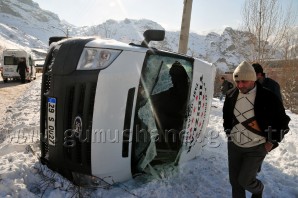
<point x="51" y="120"/>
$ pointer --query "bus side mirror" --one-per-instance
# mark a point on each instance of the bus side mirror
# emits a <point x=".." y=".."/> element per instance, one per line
<point x="152" y="35"/>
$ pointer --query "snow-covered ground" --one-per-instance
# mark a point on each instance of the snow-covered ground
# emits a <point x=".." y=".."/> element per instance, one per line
<point x="22" y="175"/>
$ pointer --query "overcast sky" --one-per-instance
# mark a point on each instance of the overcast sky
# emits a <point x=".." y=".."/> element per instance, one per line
<point x="207" y="15"/>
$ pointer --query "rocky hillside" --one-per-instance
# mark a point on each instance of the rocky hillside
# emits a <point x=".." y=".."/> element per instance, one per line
<point x="24" y="24"/>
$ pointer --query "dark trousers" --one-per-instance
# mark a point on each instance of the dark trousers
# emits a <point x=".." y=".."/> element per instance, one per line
<point x="244" y="164"/>
<point x="23" y="77"/>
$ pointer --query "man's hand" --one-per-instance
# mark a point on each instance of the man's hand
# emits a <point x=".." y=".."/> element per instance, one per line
<point x="268" y="146"/>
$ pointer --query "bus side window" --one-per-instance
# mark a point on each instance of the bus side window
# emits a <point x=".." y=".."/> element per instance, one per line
<point x="30" y="61"/>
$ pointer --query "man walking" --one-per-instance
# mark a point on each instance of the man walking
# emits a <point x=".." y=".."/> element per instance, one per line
<point x="266" y="82"/>
<point x="22" y="67"/>
<point x="225" y="86"/>
<point x="255" y="121"/>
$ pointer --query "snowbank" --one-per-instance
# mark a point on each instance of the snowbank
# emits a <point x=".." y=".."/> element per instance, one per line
<point x="22" y="175"/>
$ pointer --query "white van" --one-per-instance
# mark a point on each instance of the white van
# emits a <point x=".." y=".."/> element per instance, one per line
<point x="11" y="58"/>
<point x="110" y="110"/>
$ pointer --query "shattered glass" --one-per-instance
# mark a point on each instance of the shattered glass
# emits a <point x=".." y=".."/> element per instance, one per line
<point x="155" y="79"/>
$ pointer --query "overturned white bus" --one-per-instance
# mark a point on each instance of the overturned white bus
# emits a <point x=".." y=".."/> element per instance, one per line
<point x="109" y="110"/>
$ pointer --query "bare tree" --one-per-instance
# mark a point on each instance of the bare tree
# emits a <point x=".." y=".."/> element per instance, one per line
<point x="289" y="84"/>
<point x="290" y="44"/>
<point x="104" y="30"/>
<point x="269" y="23"/>
<point x="107" y="30"/>
<point x="94" y="31"/>
<point x="289" y="79"/>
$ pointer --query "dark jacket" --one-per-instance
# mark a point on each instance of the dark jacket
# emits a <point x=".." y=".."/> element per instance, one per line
<point x="22" y="68"/>
<point x="273" y="86"/>
<point x="269" y="112"/>
<point x="225" y="86"/>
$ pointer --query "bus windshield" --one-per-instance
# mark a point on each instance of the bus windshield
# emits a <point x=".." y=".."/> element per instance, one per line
<point x="161" y="108"/>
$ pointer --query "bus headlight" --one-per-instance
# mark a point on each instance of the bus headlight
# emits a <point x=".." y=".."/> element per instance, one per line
<point x="93" y="58"/>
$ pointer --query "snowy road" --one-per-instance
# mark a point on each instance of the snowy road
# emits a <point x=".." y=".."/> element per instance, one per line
<point x="9" y="92"/>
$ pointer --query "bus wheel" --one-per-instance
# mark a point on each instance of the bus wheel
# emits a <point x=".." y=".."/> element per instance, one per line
<point x="5" y="80"/>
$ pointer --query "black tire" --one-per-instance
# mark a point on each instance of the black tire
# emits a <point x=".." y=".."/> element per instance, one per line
<point x="5" y="80"/>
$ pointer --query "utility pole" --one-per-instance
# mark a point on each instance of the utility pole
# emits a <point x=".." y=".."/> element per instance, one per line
<point x="185" y="24"/>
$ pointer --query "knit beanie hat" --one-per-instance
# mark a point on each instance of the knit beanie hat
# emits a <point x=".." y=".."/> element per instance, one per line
<point x="244" y="71"/>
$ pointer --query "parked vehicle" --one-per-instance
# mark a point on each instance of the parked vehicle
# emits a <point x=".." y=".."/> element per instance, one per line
<point x="1" y="69"/>
<point x="99" y="115"/>
<point x="11" y="58"/>
<point x="39" y="63"/>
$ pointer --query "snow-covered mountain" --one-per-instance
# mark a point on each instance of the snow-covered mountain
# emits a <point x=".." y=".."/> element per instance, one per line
<point x="24" y="24"/>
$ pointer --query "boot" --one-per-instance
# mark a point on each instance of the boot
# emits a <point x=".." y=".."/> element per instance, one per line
<point x="258" y="195"/>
